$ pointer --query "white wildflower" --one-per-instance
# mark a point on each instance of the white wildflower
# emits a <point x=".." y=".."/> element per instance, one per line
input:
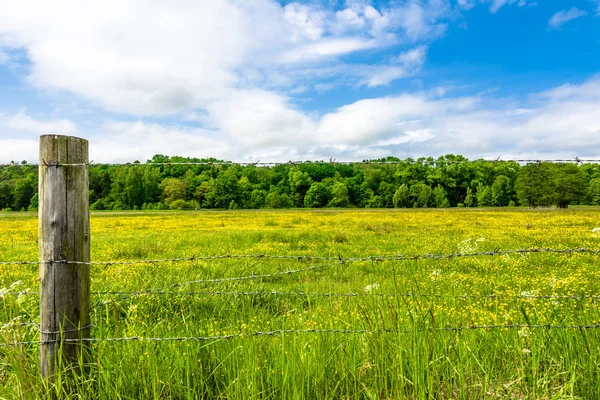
<point x="524" y="332"/>
<point x="526" y="351"/>
<point x="467" y="246"/>
<point x="372" y="287"/>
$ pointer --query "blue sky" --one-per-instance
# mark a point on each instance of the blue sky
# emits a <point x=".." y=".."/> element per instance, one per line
<point x="250" y="80"/>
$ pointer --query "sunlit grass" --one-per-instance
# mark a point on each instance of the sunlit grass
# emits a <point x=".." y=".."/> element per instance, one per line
<point x="402" y="303"/>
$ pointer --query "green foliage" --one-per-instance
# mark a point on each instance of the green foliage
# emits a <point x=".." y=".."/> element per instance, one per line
<point x="339" y="195"/>
<point x="570" y="185"/>
<point x="420" y="195"/>
<point x="275" y="200"/>
<point x="440" y="197"/>
<point x="536" y="184"/>
<point x="181" y="204"/>
<point x="427" y="182"/>
<point x="594" y="192"/>
<point x="33" y="203"/>
<point x="317" y="196"/>
<point x="501" y="191"/>
<point x="173" y="189"/>
<point x="484" y="196"/>
<point x="401" y="196"/>
<point x="470" y="199"/>
<point x="258" y="198"/>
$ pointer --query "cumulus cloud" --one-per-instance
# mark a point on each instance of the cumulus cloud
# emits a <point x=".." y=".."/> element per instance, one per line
<point x="406" y="64"/>
<point x="562" y="17"/>
<point x="18" y="149"/>
<point x="24" y="123"/>
<point x="154" y="59"/>
<point x="495" y="5"/>
<point x="127" y="141"/>
<point x="250" y="125"/>
<point x="229" y="81"/>
<point x="4" y="58"/>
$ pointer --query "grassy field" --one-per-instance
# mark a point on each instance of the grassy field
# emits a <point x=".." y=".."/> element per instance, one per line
<point x="373" y="329"/>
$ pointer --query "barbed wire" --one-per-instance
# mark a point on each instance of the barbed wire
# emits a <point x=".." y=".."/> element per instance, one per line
<point x="339" y="257"/>
<point x="19" y="324"/>
<point x="332" y="161"/>
<point x="371" y="294"/>
<point x="276" y="293"/>
<point x="280" y="332"/>
<point x="219" y="280"/>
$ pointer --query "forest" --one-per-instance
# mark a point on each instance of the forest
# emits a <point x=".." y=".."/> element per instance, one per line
<point x="448" y="181"/>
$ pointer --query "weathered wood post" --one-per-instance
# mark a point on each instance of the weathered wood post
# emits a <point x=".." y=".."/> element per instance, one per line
<point x="64" y="246"/>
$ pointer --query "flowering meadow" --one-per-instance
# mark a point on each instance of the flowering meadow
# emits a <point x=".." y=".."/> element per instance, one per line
<point x="520" y="325"/>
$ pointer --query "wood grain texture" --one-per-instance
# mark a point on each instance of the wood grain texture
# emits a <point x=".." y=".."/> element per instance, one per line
<point x="64" y="235"/>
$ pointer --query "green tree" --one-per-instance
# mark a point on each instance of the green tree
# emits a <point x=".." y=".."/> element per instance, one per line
<point x="258" y="198"/>
<point x="276" y="200"/>
<point x="484" y="196"/>
<point x="317" y="196"/>
<point x="299" y="182"/>
<point x="225" y="189"/>
<point x="339" y="195"/>
<point x="23" y="192"/>
<point x="401" y="196"/>
<point x="570" y="185"/>
<point x="440" y="197"/>
<point x="6" y="194"/>
<point x="173" y="189"/>
<point x="201" y="193"/>
<point x="420" y="195"/>
<point x="535" y="184"/>
<point x="470" y="199"/>
<point x="501" y="191"/>
<point x="593" y="192"/>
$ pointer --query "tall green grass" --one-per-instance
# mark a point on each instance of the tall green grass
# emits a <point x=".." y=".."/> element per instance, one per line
<point x="404" y="306"/>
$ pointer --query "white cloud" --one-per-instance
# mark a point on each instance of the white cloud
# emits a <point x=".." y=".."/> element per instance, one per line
<point x="225" y="63"/>
<point x="152" y="58"/>
<point x="308" y="21"/>
<point x="329" y="47"/>
<point x="406" y="64"/>
<point x="349" y="19"/>
<point x="409" y="137"/>
<point x="495" y="5"/>
<point x="128" y="141"/>
<point x="4" y="58"/>
<point x="384" y="75"/>
<point x="22" y="122"/>
<point x="249" y="125"/>
<point x="565" y="16"/>
<point x="260" y="118"/>
<point x="414" y="57"/>
<point x="18" y="149"/>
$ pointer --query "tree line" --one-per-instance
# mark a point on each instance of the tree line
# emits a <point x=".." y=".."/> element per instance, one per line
<point x="448" y="181"/>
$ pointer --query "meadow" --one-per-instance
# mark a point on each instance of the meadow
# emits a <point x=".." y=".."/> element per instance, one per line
<point x="489" y="326"/>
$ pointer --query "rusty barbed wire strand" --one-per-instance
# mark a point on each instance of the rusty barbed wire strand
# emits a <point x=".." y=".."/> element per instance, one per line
<point x="219" y="280"/>
<point x="14" y="324"/>
<point x="379" y="258"/>
<point x="332" y="161"/>
<point x="326" y="294"/>
<point x="304" y="331"/>
<point x="276" y="293"/>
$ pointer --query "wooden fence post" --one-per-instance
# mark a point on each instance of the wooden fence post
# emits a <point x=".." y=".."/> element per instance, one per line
<point x="64" y="235"/>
